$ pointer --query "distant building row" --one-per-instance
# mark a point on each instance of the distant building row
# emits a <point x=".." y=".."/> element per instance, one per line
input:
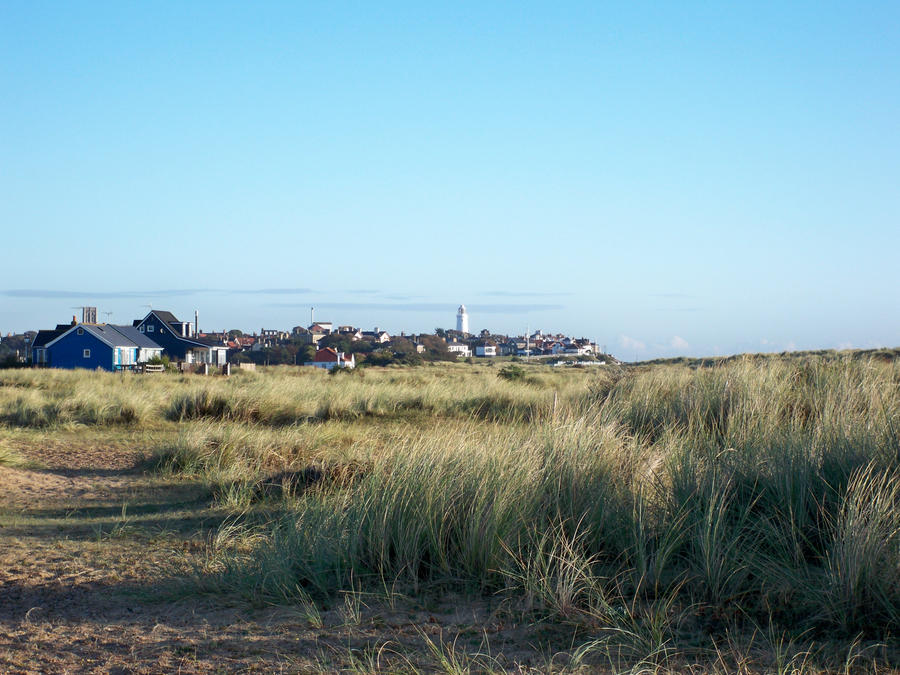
<point x="93" y="345"/>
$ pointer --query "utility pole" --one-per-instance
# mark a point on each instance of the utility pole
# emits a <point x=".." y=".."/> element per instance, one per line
<point x="528" y="343"/>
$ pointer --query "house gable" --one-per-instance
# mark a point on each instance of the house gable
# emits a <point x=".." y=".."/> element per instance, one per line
<point x="157" y="326"/>
<point x="82" y="349"/>
<point x="330" y="358"/>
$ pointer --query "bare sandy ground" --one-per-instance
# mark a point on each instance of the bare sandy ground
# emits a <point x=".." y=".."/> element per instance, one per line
<point x="81" y="581"/>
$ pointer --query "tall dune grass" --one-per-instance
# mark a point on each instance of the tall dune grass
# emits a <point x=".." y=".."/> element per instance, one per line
<point x="278" y="397"/>
<point x="753" y="493"/>
<point x="763" y="493"/>
<point x="309" y="396"/>
<point x="47" y="398"/>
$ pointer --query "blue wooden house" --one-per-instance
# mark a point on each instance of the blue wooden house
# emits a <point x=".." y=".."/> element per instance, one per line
<point x="39" y="353"/>
<point x="104" y="346"/>
<point x="176" y="339"/>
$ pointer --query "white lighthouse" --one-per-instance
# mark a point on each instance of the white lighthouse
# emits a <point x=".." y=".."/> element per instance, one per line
<point x="462" y="320"/>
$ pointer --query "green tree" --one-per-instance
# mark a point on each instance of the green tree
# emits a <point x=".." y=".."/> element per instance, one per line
<point x="402" y="346"/>
<point x="380" y="357"/>
<point x="338" y="342"/>
<point x="306" y="353"/>
<point x="436" y="349"/>
<point x="237" y="356"/>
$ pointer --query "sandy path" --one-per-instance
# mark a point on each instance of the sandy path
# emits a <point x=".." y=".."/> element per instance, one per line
<point x="78" y="582"/>
<point x="73" y="592"/>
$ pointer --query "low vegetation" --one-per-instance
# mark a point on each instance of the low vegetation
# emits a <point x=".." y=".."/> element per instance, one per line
<point x="745" y="514"/>
<point x="10" y="457"/>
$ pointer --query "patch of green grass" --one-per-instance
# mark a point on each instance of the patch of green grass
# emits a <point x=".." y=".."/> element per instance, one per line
<point x="11" y="457"/>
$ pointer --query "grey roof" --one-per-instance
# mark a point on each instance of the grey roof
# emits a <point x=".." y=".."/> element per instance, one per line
<point x="168" y="317"/>
<point x="45" y="336"/>
<point x="137" y="337"/>
<point x="100" y="331"/>
<point x="114" y="336"/>
<point x="208" y="341"/>
<point x="161" y="314"/>
<point x="108" y="334"/>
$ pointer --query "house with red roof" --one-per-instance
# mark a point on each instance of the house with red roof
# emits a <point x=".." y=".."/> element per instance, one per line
<point x="329" y="358"/>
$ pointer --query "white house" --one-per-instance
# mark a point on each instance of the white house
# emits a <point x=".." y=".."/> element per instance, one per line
<point x="486" y="348"/>
<point x="329" y="358"/>
<point x="376" y="335"/>
<point x="322" y="327"/>
<point x="461" y="349"/>
<point x="350" y="331"/>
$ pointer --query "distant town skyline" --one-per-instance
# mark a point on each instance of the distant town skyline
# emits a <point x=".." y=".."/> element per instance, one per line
<point x="693" y="178"/>
<point x="394" y="316"/>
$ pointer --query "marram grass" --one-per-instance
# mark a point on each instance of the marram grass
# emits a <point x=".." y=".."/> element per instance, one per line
<point x="640" y="506"/>
<point x="761" y="493"/>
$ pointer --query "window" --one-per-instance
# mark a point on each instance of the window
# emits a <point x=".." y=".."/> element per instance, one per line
<point x="86" y="353"/>
<point x="150" y="327"/>
<point x="80" y="331"/>
<point x="141" y="328"/>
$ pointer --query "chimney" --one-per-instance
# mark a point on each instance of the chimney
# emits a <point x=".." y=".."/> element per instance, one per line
<point x="74" y="320"/>
<point x="196" y="322"/>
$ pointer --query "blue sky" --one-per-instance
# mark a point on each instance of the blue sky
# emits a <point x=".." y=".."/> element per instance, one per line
<point x="671" y="178"/>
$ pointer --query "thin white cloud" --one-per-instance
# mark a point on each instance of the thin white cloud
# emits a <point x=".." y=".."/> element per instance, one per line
<point x="674" y="296"/>
<point x="845" y="345"/>
<point x="51" y="294"/>
<point x="631" y="343"/>
<point x="679" y="342"/>
<point x="527" y="294"/>
<point x="428" y="307"/>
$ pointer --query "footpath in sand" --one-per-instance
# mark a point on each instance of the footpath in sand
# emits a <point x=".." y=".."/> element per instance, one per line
<point x="84" y="544"/>
<point x="91" y="548"/>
